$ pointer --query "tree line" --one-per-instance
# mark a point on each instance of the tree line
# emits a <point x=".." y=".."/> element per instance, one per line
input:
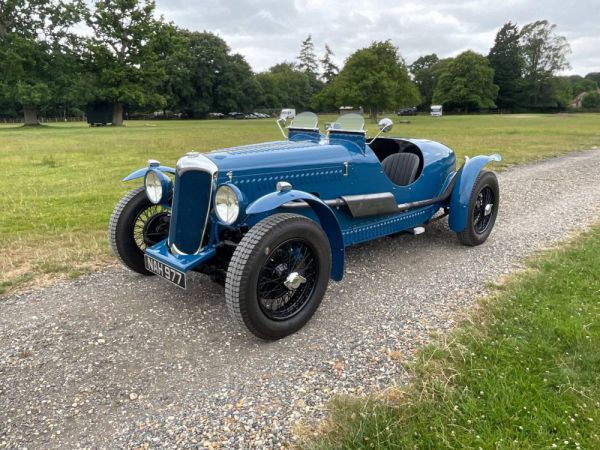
<point x="520" y="73"/>
<point x="133" y="60"/>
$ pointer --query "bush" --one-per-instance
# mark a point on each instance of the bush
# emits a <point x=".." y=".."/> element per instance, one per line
<point x="591" y="100"/>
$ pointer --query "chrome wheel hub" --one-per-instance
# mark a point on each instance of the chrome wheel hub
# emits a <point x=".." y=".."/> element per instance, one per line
<point x="294" y="280"/>
<point x="488" y="209"/>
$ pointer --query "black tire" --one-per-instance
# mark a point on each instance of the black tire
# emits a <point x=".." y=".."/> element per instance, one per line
<point x="125" y="240"/>
<point x="479" y="225"/>
<point x="254" y="259"/>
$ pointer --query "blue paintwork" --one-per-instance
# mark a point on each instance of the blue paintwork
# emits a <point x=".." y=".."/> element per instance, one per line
<point x="299" y="135"/>
<point x="325" y="215"/>
<point x="141" y="173"/>
<point x="459" y="202"/>
<point x="319" y="169"/>
<point x="184" y="263"/>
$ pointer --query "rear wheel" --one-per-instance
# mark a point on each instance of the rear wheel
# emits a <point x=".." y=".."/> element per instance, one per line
<point x="278" y="275"/>
<point x="136" y="224"/>
<point x="482" y="211"/>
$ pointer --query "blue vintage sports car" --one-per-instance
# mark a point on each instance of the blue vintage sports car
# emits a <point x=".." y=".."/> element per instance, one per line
<point x="272" y="220"/>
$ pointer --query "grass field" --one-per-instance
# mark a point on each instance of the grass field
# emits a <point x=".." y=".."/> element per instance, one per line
<point x="63" y="180"/>
<point x="521" y="373"/>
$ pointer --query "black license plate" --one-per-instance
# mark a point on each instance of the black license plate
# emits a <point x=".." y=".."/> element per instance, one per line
<point x="162" y="270"/>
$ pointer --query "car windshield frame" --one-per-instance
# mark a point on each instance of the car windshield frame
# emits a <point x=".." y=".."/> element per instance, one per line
<point x="349" y="123"/>
<point x="306" y="120"/>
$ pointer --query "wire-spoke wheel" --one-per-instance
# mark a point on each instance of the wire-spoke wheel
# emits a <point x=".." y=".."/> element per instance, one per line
<point x="482" y="211"/>
<point x="136" y="224"/>
<point x="287" y="280"/>
<point x="278" y="275"/>
<point x="151" y="226"/>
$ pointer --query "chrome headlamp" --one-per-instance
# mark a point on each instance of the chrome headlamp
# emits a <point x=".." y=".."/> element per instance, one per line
<point x="227" y="203"/>
<point x="158" y="186"/>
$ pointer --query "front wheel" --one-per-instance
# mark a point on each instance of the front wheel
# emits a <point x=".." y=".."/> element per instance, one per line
<point x="136" y="224"/>
<point x="482" y="210"/>
<point x="278" y="275"/>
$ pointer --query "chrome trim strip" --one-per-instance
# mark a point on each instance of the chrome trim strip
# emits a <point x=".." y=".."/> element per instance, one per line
<point x="302" y="204"/>
<point x="196" y="161"/>
<point x="176" y="251"/>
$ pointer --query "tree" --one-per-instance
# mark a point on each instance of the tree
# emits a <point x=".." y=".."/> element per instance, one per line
<point x="375" y="78"/>
<point x="330" y="70"/>
<point x="424" y="71"/>
<point x="202" y="75"/>
<point x="35" y="40"/>
<point x="196" y="61"/>
<point x="594" y="76"/>
<point x="284" y="86"/>
<point x="507" y="61"/>
<point x="236" y="88"/>
<point x="467" y="83"/>
<point x="544" y="54"/>
<point x="25" y="66"/>
<point x="583" y="85"/>
<point x="308" y="64"/>
<point x="423" y="63"/>
<point x="324" y="100"/>
<point x="307" y="59"/>
<point x="123" y="56"/>
<point x="591" y="100"/>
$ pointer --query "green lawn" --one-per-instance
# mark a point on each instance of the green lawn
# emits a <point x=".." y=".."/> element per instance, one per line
<point x="62" y="180"/>
<point x="524" y="372"/>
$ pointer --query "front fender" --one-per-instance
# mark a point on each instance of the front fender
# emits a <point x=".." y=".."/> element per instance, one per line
<point x="140" y="173"/>
<point x="326" y="217"/>
<point x="461" y="193"/>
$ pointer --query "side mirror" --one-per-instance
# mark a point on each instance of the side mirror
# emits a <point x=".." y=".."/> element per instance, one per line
<point x="385" y="125"/>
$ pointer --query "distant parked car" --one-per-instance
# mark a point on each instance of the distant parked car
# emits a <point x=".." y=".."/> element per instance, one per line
<point x="237" y="115"/>
<point x="272" y="220"/>
<point x="408" y="111"/>
<point x="216" y="115"/>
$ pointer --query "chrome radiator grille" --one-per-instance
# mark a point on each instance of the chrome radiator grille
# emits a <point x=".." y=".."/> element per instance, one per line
<point x="191" y="203"/>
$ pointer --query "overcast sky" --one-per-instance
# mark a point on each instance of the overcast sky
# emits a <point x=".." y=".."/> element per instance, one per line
<point x="270" y="31"/>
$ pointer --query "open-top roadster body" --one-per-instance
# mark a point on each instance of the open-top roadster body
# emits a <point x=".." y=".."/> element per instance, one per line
<point x="272" y="220"/>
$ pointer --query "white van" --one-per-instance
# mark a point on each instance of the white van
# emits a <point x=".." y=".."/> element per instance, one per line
<point x="436" y="110"/>
<point x="287" y="114"/>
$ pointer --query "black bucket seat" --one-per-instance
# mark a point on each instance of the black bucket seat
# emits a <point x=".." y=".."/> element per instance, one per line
<point x="401" y="168"/>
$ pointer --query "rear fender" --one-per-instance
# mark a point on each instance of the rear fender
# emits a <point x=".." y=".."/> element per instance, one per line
<point x="461" y="193"/>
<point x="326" y="217"/>
<point x="140" y="173"/>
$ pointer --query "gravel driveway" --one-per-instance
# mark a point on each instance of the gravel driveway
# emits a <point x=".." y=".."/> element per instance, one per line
<point x="115" y="359"/>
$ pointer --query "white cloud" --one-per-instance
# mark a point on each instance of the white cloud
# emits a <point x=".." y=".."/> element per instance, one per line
<point x="270" y="31"/>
